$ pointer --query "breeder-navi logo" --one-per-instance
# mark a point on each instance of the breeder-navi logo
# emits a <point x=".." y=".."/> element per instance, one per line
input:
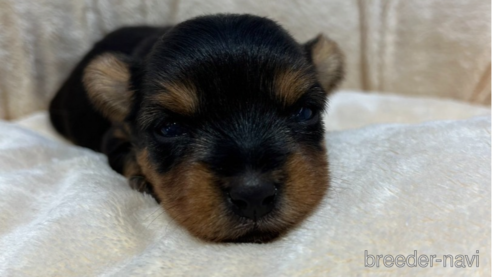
<point x="459" y="261"/>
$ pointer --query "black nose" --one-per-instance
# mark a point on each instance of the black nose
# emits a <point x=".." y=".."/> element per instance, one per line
<point x="253" y="201"/>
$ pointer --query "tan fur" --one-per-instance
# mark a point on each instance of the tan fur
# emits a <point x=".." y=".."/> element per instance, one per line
<point x="306" y="183"/>
<point x="190" y="194"/>
<point x="290" y="85"/>
<point x="106" y="79"/>
<point x="178" y="97"/>
<point x="328" y="60"/>
<point x="134" y="174"/>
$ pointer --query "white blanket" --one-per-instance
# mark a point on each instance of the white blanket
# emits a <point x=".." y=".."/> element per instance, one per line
<point x="394" y="189"/>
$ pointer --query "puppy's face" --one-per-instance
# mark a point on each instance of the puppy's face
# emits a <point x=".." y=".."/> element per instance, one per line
<point x="226" y="120"/>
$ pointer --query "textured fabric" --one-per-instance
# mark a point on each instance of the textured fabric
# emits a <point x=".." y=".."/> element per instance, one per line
<point x="419" y="47"/>
<point x="393" y="189"/>
<point x="355" y="109"/>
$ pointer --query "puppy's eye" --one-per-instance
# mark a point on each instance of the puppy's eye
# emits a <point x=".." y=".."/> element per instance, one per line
<point x="170" y="130"/>
<point x="304" y="114"/>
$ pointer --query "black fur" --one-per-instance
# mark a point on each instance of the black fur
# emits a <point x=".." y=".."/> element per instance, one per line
<point x="241" y="130"/>
<point x="232" y="60"/>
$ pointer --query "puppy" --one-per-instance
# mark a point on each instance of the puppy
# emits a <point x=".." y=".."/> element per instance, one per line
<point x="219" y="118"/>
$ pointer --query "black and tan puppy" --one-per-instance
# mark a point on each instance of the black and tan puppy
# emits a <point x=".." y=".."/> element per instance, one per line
<point x="218" y="117"/>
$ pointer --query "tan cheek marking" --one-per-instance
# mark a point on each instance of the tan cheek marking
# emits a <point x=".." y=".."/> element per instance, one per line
<point x="290" y="85"/>
<point x="106" y="80"/>
<point x="307" y="181"/>
<point x="178" y="97"/>
<point x="190" y="196"/>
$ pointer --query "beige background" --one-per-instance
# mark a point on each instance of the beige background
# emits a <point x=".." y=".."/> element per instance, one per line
<point x="437" y="48"/>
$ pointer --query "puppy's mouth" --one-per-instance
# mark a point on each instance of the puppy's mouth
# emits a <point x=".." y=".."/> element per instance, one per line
<point x="256" y="236"/>
<point x="257" y="230"/>
<point x="262" y="224"/>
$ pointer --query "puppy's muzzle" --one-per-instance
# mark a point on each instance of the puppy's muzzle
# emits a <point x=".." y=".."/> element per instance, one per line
<point x="252" y="196"/>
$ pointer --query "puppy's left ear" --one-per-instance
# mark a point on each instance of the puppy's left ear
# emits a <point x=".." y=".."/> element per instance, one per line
<point x="328" y="60"/>
<point x="107" y="82"/>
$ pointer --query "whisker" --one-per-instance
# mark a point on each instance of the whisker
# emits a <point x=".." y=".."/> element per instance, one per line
<point x="158" y="208"/>
<point x="161" y="213"/>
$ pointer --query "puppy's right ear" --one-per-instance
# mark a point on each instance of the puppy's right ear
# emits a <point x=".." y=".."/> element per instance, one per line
<point x="107" y="81"/>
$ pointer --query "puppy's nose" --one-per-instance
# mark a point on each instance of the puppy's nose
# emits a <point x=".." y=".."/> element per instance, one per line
<point x="253" y="201"/>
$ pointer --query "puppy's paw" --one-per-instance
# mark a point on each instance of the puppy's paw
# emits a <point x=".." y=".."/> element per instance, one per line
<point x="139" y="183"/>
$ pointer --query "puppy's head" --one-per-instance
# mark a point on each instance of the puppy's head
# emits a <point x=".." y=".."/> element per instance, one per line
<point x="226" y="118"/>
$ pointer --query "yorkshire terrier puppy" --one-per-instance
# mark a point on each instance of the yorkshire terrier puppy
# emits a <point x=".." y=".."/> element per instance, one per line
<point x="218" y="117"/>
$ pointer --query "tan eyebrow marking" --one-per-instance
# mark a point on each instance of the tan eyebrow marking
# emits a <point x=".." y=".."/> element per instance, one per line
<point x="290" y="85"/>
<point x="178" y="97"/>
